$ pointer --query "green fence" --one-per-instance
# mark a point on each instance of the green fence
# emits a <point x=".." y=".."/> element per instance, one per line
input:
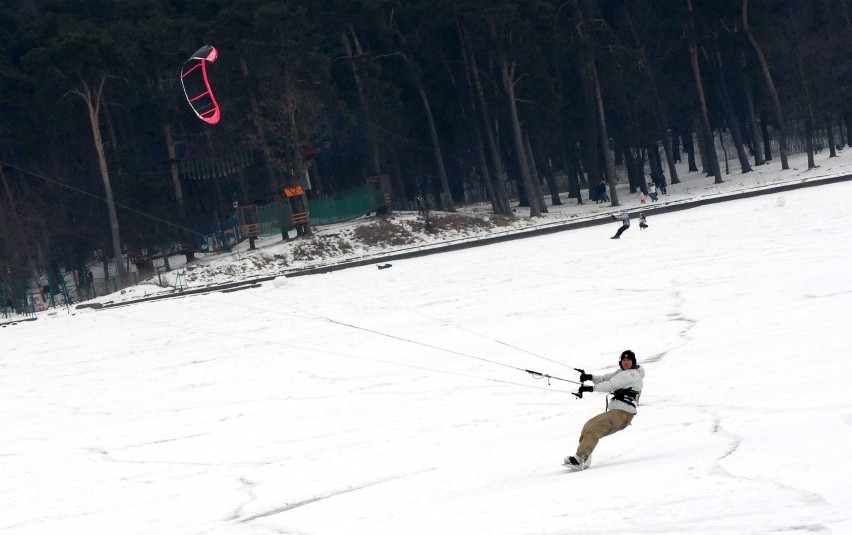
<point x="275" y="217"/>
<point x="337" y="209"/>
<point x="65" y="290"/>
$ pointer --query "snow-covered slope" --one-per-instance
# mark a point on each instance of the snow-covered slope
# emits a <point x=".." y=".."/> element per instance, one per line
<point x="370" y="237"/>
<point x="393" y="401"/>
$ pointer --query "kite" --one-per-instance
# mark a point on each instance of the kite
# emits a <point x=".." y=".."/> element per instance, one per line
<point x="196" y="86"/>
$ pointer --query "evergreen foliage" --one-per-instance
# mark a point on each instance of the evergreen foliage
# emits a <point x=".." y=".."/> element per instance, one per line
<point x="462" y="100"/>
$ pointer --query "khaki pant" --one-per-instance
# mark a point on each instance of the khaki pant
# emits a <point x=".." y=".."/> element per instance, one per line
<point x="600" y="426"/>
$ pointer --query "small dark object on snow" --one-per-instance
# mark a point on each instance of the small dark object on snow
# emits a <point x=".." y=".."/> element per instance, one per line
<point x="384" y="266"/>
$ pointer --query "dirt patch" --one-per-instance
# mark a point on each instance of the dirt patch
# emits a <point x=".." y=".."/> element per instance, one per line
<point x="384" y="231"/>
<point x="464" y="224"/>
<point x="393" y="232"/>
<point x="320" y="247"/>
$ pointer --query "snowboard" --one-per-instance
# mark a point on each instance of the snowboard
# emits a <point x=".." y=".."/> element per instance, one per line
<point x="577" y="468"/>
<point x="573" y="467"/>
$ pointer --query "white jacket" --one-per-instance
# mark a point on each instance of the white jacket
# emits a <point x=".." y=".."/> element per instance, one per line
<point x="617" y="380"/>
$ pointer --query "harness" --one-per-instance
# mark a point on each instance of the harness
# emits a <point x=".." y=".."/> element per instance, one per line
<point x="625" y="395"/>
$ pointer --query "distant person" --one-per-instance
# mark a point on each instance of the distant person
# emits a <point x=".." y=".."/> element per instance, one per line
<point x="643" y="224"/>
<point x="625" y="385"/>
<point x="652" y="191"/>
<point x="624" y="217"/>
<point x="602" y="195"/>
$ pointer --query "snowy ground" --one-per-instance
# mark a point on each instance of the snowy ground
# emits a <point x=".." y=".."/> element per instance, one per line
<point x="389" y="402"/>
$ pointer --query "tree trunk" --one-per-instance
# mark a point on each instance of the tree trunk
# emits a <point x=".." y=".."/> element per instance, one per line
<point x="809" y="142"/>
<point x="767" y="142"/>
<point x="733" y="124"/>
<point x="676" y="146"/>
<point x="297" y="162"/>
<point x="710" y="149"/>
<point x="590" y="155"/>
<point x="572" y="165"/>
<point x="93" y="103"/>
<point x="656" y="163"/>
<point x="174" y="169"/>
<point x="352" y="53"/>
<point x="668" y="147"/>
<point x="493" y="148"/>
<point x="609" y="166"/>
<point x="591" y="72"/>
<point x="752" y="118"/>
<point x="447" y="203"/>
<point x="447" y="196"/>
<point x="475" y="128"/>
<point x="635" y="176"/>
<point x="829" y="135"/>
<point x="507" y="70"/>
<point x="807" y="108"/>
<point x="486" y="174"/>
<point x="537" y="181"/>
<point x="702" y="146"/>
<point x="773" y="93"/>
<point x="724" y="150"/>
<point x="689" y="147"/>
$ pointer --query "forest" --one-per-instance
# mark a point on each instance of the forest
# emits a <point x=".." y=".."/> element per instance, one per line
<point x="508" y="102"/>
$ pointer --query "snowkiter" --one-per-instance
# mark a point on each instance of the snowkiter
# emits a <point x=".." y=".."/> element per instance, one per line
<point x="625" y="386"/>
<point x="624" y="217"/>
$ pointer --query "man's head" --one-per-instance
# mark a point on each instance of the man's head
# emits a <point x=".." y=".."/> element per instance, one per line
<point x="627" y="360"/>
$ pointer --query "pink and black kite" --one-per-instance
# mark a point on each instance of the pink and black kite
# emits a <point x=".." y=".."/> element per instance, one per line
<point x="196" y="86"/>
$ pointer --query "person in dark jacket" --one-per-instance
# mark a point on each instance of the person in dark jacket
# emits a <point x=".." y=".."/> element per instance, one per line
<point x="602" y="195"/>
<point x="625" y="385"/>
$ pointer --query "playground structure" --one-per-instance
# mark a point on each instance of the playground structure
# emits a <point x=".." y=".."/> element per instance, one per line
<point x="249" y="221"/>
<point x="293" y="211"/>
<point x="297" y="204"/>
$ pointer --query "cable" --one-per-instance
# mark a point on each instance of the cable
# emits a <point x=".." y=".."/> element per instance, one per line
<point x="83" y="192"/>
<point x="453" y="325"/>
<point x="184" y="328"/>
<point x="535" y="374"/>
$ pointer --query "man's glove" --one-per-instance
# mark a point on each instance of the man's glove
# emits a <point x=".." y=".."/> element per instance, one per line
<point x="583" y="388"/>
<point x="585" y="377"/>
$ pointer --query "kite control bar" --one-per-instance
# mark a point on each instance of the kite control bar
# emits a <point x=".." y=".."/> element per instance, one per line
<point x="539" y="375"/>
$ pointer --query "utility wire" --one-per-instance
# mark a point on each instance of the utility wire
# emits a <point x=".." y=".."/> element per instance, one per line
<point x="92" y="195"/>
